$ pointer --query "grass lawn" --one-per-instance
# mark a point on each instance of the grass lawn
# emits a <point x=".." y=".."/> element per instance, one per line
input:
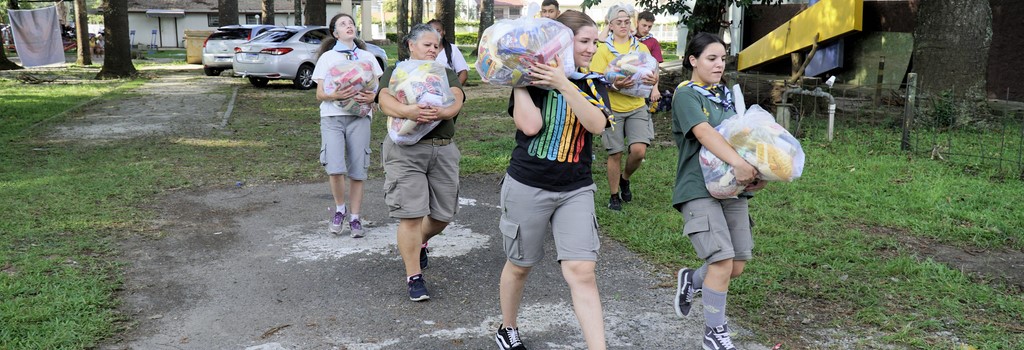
<point x="828" y="248"/>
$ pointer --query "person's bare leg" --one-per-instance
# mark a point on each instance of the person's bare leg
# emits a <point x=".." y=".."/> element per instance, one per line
<point x="410" y="237"/>
<point x="355" y="194"/>
<point x="337" y="183"/>
<point x="431" y="228"/>
<point x="586" y="301"/>
<point x="637" y="153"/>
<point x="614" y="164"/>
<point x="510" y="292"/>
<point x="718" y="275"/>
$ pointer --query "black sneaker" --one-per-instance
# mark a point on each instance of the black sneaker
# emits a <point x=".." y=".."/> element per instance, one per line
<point x="684" y="292"/>
<point x="423" y="258"/>
<point x="614" y="203"/>
<point x="627" y="195"/>
<point x="717" y="338"/>
<point x="508" y="339"/>
<point x="418" y="288"/>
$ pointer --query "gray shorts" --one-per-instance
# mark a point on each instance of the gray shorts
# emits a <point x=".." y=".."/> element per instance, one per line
<point x="719" y="228"/>
<point x="345" y="145"/>
<point x="421" y="179"/>
<point x="635" y="125"/>
<point x="528" y="212"/>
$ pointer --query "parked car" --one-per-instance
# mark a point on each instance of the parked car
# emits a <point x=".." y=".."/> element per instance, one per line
<point x="219" y="47"/>
<point x="286" y="53"/>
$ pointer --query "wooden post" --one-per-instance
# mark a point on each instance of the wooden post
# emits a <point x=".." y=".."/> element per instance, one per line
<point x="908" y="111"/>
<point x="881" y="75"/>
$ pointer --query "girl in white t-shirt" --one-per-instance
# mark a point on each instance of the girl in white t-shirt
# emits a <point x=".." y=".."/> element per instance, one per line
<point x="344" y="125"/>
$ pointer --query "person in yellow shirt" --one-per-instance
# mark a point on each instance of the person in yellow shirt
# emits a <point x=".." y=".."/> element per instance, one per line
<point x="631" y="121"/>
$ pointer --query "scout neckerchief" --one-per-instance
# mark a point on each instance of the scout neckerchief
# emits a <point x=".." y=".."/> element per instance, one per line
<point x="634" y="46"/>
<point x="596" y="99"/>
<point x="345" y="50"/>
<point x="645" y="37"/>
<point x="714" y="92"/>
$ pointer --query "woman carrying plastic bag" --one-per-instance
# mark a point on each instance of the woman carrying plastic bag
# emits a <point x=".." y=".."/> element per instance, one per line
<point x="509" y="47"/>
<point x="421" y="83"/>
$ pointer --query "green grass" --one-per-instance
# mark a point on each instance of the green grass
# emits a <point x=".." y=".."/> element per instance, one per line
<point x="827" y="245"/>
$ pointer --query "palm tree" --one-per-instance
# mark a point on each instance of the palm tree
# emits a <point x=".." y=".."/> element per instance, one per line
<point x="486" y="19"/>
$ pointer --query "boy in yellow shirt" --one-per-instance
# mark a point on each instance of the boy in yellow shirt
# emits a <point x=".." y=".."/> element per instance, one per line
<point x="631" y="119"/>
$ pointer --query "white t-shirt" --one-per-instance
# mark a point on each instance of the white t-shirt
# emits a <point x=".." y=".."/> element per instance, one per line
<point x="458" y="61"/>
<point x="332" y="58"/>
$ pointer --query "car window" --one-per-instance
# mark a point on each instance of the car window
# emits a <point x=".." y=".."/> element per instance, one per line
<point x="230" y="34"/>
<point x="315" y="36"/>
<point x="274" y="36"/>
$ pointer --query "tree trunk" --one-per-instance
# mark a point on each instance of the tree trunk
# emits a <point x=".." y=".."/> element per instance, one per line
<point x="417" y="12"/>
<point x="298" y="12"/>
<point x="13" y="5"/>
<point x="5" y="63"/>
<point x="486" y="19"/>
<point x="82" y="33"/>
<point x="403" y="28"/>
<point x="227" y="12"/>
<point x="446" y="14"/>
<point x="945" y="26"/>
<point x="117" y="60"/>
<point x="268" y="12"/>
<point x="707" y="16"/>
<point x="316" y="13"/>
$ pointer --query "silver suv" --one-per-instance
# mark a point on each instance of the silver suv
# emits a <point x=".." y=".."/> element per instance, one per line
<point x="286" y="53"/>
<point x="219" y="47"/>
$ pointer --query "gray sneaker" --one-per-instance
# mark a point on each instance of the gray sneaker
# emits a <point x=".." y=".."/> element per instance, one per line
<point x="717" y="338"/>
<point x="334" y="226"/>
<point x="357" y="228"/>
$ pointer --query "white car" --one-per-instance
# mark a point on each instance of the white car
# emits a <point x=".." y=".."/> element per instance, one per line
<point x="286" y="53"/>
<point x="219" y="47"/>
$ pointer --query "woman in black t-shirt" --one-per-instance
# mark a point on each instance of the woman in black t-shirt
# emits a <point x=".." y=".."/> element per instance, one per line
<point x="549" y="184"/>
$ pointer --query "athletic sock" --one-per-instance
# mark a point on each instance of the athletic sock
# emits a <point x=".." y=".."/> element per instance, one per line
<point x="353" y="217"/>
<point x="714" y="307"/>
<point x="698" y="276"/>
<point x="340" y="208"/>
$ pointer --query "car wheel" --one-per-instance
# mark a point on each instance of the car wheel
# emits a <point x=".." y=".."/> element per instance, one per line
<point x="304" y="78"/>
<point x="211" y="72"/>
<point x="258" y="82"/>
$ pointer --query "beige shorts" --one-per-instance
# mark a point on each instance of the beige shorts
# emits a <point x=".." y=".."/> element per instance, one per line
<point x="719" y="228"/>
<point x="421" y="180"/>
<point x="528" y="212"/>
<point x="635" y="126"/>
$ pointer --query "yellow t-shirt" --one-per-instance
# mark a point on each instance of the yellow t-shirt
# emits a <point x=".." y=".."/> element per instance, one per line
<point x="599" y="64"/>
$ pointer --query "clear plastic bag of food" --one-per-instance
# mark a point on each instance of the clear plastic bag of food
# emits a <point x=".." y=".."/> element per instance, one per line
<point x="509" y="47"/>
<point x="762" y="142"/>
<point x="635" y="66"/>
<point x="416" y="82"/>
<point x="346" y="74"/>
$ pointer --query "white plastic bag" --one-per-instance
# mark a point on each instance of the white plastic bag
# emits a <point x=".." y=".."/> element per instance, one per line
<point x="762" y="142"/>
<point x="510" y="46"/>
<point x="351" y="73"/>
<point x="420" y="83"/>
<point x="635" y="65"/>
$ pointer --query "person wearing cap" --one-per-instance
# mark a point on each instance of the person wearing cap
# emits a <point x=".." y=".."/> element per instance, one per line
<point x="631" y="121"/>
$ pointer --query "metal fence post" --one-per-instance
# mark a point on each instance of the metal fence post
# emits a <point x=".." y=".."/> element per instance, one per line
<point x="881" y="75"/>
<point x="908" y="111"/>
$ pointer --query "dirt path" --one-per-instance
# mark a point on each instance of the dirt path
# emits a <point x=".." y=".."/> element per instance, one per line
<point x="251" y="267"/>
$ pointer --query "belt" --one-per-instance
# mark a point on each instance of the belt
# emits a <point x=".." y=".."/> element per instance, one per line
<point x="435" y="142"/>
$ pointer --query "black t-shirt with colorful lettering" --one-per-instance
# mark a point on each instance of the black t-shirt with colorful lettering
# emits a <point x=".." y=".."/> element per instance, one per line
<point x="558" y="157"/>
